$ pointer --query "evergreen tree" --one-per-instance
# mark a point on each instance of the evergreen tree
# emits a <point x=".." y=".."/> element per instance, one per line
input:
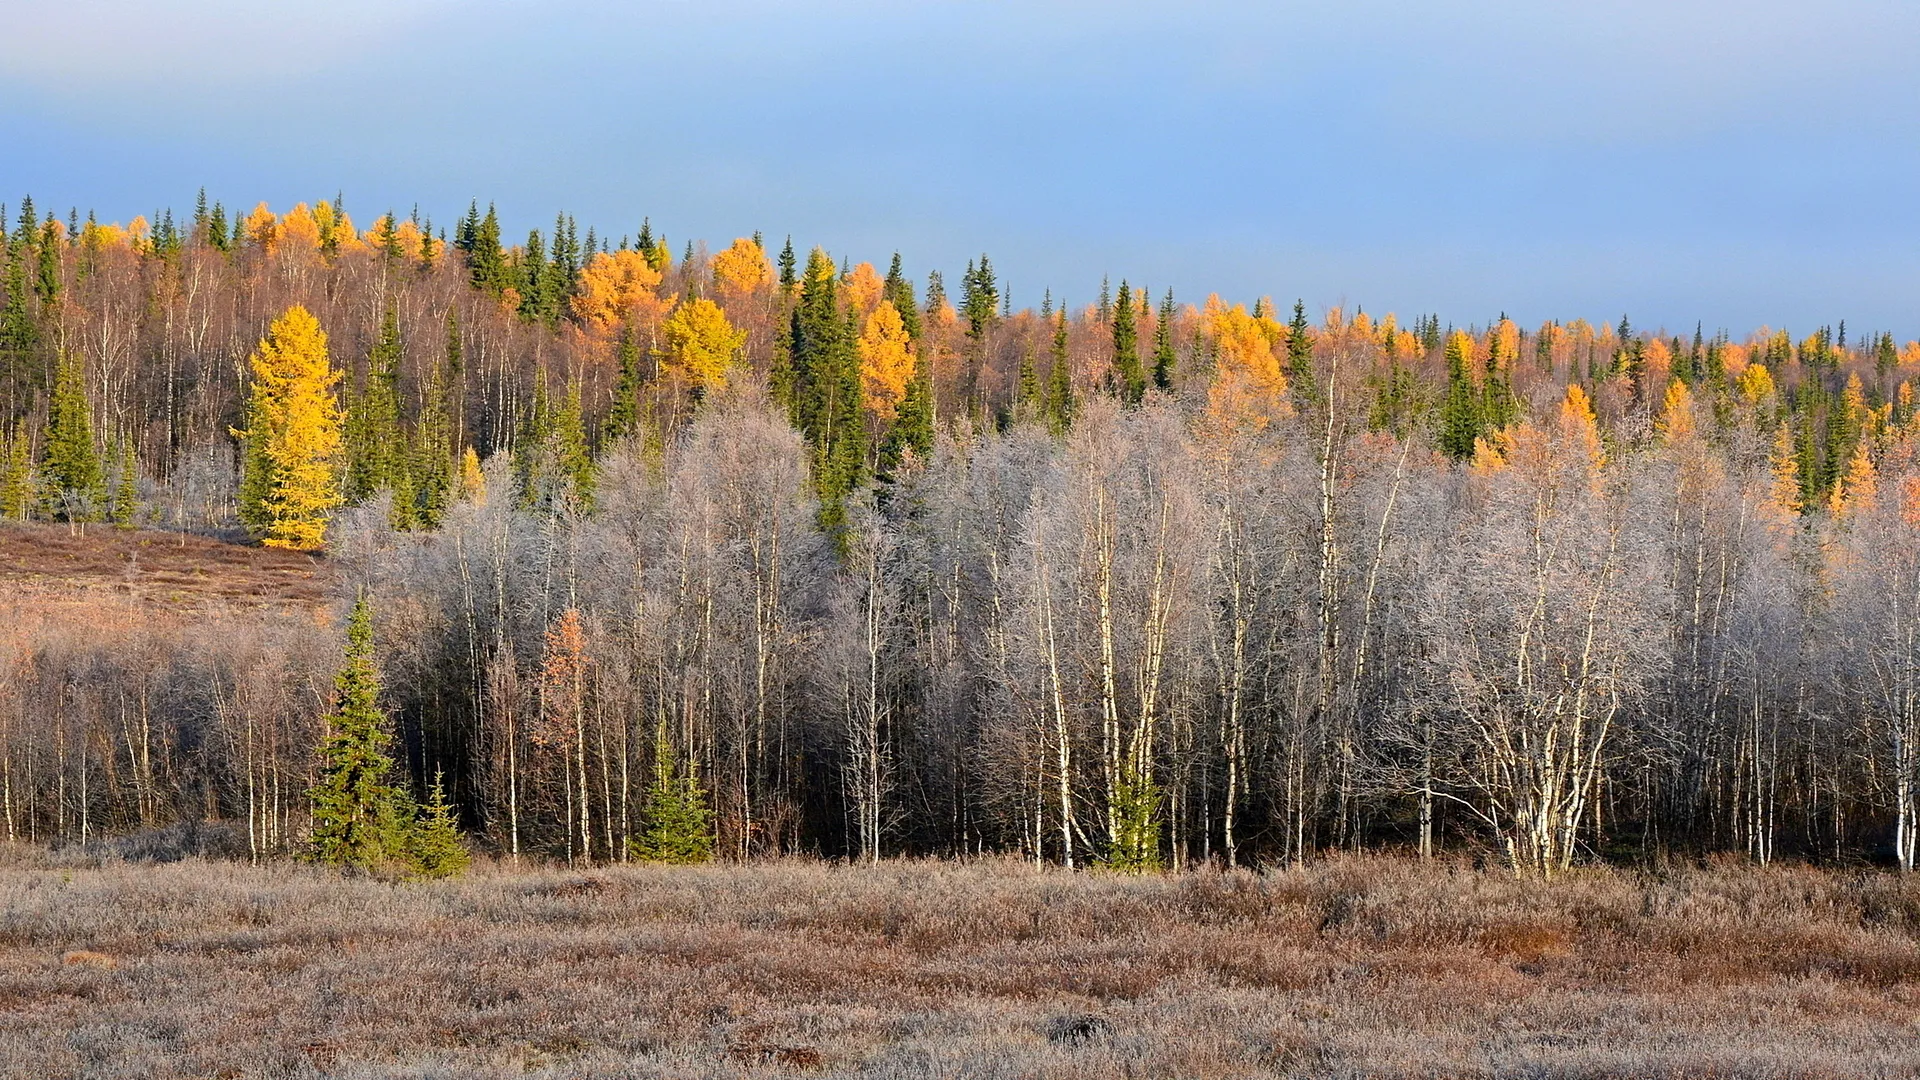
<point x="826" y="384"/>
<point x="435" y="849"/>
<point x="979" y="298"/>
<point x="19" y="334"/>
<point x="624" y="416"/>
<point x="16" y="477"/>
<point x="912" y="427"/>
<point x="123" y="507"/>
<point x="898" y="291"/>
<point x="789" y="268"/>
<point x="677" y="824"/>
<point x="487" y="265"/>
<point x="356" y="819"/>
<point x="1498" y="407"/>
<point x="1129" y="381"/>
<point x="1460" y="419"/>
<point x="217" y="229"/>
<point x="1026" y="392"/>
<point x="376" y="456"/>
<point x="1164" y="358"/>
<point x="1060" y="405"/>
<point x="72" y="481"/>
<point x="1300" y="367"/>
<point x="533" y="279"/>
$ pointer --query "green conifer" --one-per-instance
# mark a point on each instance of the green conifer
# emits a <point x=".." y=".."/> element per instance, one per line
<point x="356" y="809"/>
<point x="71" y="480"/>
<point x="434" y="848"/>
<point x="1460" y="419"/>
<point x="1129" y="380"/>
<point x="677" y="826"/>
<point x="1164" y="357"/>
<point x="1061" y="406"/>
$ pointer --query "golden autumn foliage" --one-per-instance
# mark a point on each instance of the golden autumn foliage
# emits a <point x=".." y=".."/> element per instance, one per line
<point x="1857" y="491"/>
<point x="1249" y="382"/>
<point x="865" y="288"/>
<point x="612" y="285"/>
<point x="473" y="481"/>
<point x="886" y="361"/>
<point x="263" y="228"/>
<point x="701" y="344"/>
<point x="1579" y="424"/>
<point x="1784" y="491"/>
<point x="1756" y="384"/>
<point x="291" y="486"/>
<point x="1676" y="413"/>
<point x="741" y="270"/>
<point x="299" y="230"/>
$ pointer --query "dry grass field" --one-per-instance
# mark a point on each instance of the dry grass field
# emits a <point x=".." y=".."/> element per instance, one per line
<point x="159" y="568"/>
<point x="1370" y="967"/>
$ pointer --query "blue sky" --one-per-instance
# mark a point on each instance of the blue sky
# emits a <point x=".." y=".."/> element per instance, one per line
<point x="1736" y="164"/>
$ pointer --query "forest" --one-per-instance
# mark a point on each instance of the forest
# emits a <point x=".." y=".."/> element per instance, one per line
<point x="814" y="558"/>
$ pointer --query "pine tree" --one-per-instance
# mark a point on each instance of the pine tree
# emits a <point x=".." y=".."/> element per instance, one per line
<point x="677" y="824"/>
<point x="355" y="805"/>
<point x="1164" y="358"/>
<point x="71" y="478"/>
<point x="1129" y="381"/>
<point x="289" y="488"/>
<point x="434" y="848"/>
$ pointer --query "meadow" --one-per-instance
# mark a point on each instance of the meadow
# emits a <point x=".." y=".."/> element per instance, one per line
<point x="1361" y="966"/>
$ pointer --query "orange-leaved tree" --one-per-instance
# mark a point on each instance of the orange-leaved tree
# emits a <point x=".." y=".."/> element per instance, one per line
<point x="612" y="285"/>
<point x="291" y="483"/>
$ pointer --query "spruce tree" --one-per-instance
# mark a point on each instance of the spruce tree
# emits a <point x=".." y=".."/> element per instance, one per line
<point x="826" y="391"/>
<point x="789" y="268"/>
<point x="677" y="824"/>
<point x="123" y="507"/>
<point x="1129" y="382"/>
<point x="898" y="291"/>
<point x="1300" y="369"/>
<point x="1164" y="358"/>
<point x="1135" y="811"/>
<point x="72" y="483"/>
<point x="434" y="848"/>
<point x="356" y="819"/>
<point x="1061" y="406"/>
<point x="375" y="452"/>
<point x="624" y="416"/>
<point x="1460" y="419"/>
<point x="16" y="477"/>
<point x="1026" y="393"/>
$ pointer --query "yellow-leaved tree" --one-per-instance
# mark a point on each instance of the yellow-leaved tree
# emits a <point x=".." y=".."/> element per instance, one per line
<point x="701" y="344"/>
<point x="886" y="361"/>
<point x="741" y="270"/>
<point x="291" y="483"/>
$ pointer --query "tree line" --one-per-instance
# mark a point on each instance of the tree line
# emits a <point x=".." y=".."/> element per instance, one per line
<point x="747" y="553"/>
